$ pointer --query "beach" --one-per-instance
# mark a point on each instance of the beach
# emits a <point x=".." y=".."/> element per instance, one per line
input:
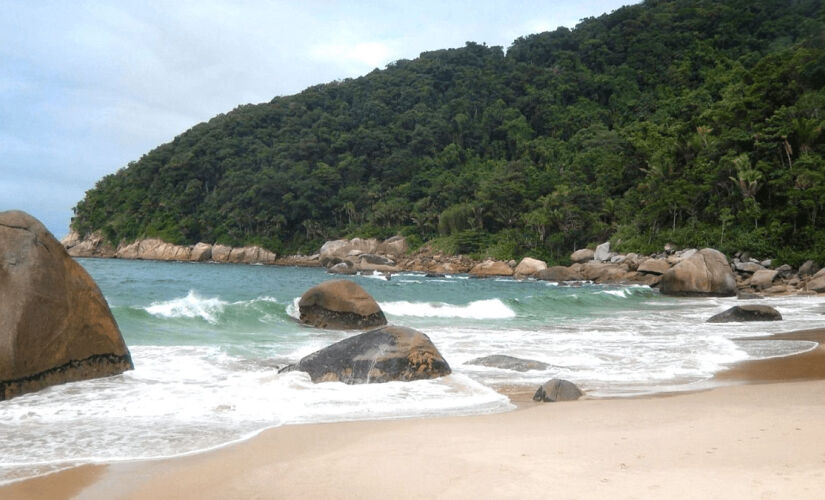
<point x="762" y="439"/>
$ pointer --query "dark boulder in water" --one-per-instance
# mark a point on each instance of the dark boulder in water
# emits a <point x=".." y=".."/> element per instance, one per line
<point x="55" y="325"/>
<point x="557" y="390"/>
<point x="508" y="363"/>
<point x="383" y="355"/>
<point x="746" y="313"/>
<point x="340" y="304"/>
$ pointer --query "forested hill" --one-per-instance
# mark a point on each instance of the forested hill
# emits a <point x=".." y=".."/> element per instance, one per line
<point x="698" y="122"/>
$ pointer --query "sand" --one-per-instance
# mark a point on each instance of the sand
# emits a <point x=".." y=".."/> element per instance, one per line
<point x="763" y="440"/>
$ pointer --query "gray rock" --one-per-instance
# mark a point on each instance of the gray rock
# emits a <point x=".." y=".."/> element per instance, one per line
<point x="602" y="253"/>
<point x="508" y="363"/>
<point x="558" y="273"/>
<point x="557" y="390"/>
<point x="744" y="295"/>
<point x="371" y="258"/>
<point x="785" y="271"/>
<point x="747" y="313"/>
<point x="654" y="266"/>
<point x="808" y="268"/>
<point x="747" y="267"/>
<point x="345" y="267"/>
<point x="383" y="355"/>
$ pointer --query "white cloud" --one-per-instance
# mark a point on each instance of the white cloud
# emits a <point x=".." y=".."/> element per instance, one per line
<point x="354" y="57"/>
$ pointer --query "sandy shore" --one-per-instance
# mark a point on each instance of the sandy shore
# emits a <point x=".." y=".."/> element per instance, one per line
<point x="736" y="441"/>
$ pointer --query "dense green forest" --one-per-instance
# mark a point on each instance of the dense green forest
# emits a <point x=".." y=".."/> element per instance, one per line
<point x="693" y="121"/>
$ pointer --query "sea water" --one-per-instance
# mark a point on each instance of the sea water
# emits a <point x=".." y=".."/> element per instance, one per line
<point x="207" y="341"/>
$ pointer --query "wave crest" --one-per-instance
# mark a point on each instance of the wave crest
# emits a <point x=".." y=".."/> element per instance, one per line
<point x="479" y="309"/>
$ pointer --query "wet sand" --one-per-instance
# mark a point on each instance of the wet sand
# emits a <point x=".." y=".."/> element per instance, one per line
<point x="741" y="440"/>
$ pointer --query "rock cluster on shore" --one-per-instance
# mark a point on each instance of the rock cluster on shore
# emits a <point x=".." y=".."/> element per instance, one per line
<point x="677" y="272"/>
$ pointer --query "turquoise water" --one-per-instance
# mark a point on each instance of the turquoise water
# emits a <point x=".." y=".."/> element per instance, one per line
<point x="207" y="341"/>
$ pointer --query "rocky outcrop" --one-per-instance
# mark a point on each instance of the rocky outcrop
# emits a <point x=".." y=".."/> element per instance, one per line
<point x="55" y="325"/>
<point x="582" y="256"/>
<point x="529" y="267"/>
<point x="93" y="245"/>
<point x="505" y="362"/>
<point x="395" y="246"/>
<point x="557" y="390"/>
<point x="491" y="268"/>
<point x="746" y="313"/>
<point x="705" y="273"/>
<point x="156" y="249"/>
<point x="383" y="355"/>
<point x="340" y="304"/>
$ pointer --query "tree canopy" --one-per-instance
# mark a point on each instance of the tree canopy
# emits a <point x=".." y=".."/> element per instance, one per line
<point x="693" y="121"/>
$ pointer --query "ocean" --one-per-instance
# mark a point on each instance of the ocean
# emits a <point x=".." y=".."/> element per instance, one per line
<point x="207" y="341"/>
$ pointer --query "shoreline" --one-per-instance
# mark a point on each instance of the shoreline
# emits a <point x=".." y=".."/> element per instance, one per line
<point x="774" y="399"/>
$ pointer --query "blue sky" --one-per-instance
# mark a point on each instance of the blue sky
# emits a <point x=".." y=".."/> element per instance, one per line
<point x="87" y="87"/>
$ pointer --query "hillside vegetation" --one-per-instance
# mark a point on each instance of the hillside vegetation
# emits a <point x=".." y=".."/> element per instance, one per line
<point x="698" y="122"/>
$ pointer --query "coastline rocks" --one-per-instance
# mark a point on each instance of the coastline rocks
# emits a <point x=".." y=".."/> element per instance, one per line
<point x="201" y="252"/>
<point x="763" y="278"/>
<point x="345" y="267"/>
<point x="491" y="268"/>
<point x="340" y="304"/>
<point x="335" y="251"/>
<point x="602" y="253"/>
<point x="383" y="355"/>
<point x="220" y="253"/>
<point x="557" y="390"/>
<point x="582" y="256"/>
<point x="395" y="246"/>
<point x="808" y="268"/>
<point x="746" y="313"/>
<point x="817" y="283"/>
<point x="559" y="274"/>
<point x="529" y="267"/>
<point x="705" y="273"/>
<point x="93" y="245"/>
<point x="55" y="325"/>
<point x="508" y="363"/>
<point x="654" y="266"/>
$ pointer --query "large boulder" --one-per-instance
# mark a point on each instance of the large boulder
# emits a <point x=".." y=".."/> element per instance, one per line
<point x="335" y="251"/>
<point x="529" y="267"/>
<point x="582" y="256"/>
<point x="763" y="278"/>
<point x="383" y="355"/>
<point x="746" y="313"/>
<point x="808" y="268"/>
<point x="705" y="273"/>
<point x="558" y="273"/>
<point x="602" y="253"/>
<point x="220" y="253"/>
<point x="201" y="252"/>
<point x="491" y="268"/>
<point x="505" y="362"/>
<point x="340" y="304"/>
<point x="395" y="246"/>
<point x="557" y="390"/>
<point x="654" y="266"/>
<point x="55" y="325"/>
<point x="817" y="283"/>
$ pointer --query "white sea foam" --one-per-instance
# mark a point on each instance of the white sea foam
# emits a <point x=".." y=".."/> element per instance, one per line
<point x="479" y="309"/>
<point x="191" y="306"/>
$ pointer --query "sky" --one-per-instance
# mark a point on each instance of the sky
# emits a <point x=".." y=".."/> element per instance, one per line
<point x="87" y="87"/>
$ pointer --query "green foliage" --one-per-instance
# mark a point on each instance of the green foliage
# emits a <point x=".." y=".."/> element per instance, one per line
<point x="693" y="121"/>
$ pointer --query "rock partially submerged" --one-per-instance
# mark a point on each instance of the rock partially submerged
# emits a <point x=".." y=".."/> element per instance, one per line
<point x="383" y="355"/>
<point x="557" y="390"/>
<point x="746" y="313"/>
<point x="55" y="325"/>
<point x="508" y="363"/>
<point x="340" y="304"/>
<point x="705" y="273"/>
<point x="491" y="268"/>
